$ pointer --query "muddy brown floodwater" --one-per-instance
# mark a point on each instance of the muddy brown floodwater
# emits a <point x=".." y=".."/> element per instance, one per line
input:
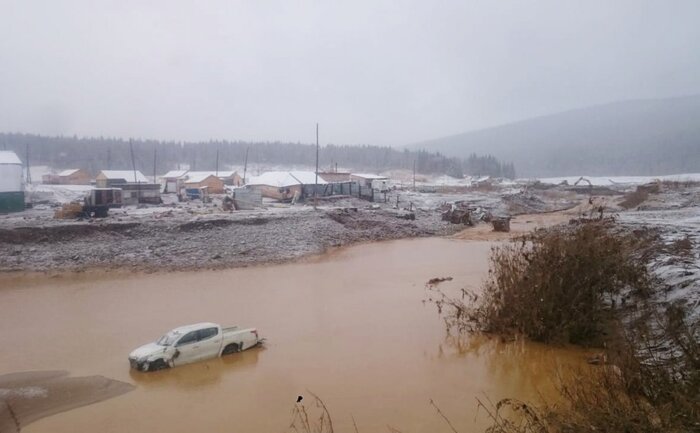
<point x="349" y="326"/>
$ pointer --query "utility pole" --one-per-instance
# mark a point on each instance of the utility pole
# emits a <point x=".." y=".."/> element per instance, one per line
<point x="109" y="158"/>
<point x="217" y="162"/>
<point x="155" y="149"/>
<point x="133" y="166"/>
<point x="29" y="174"/>
<point x="414" y="175"/>
<point x="316" y="181"/>
<point x="245" y="164"/>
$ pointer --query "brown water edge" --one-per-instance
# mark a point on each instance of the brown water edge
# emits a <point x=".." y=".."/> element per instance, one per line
<point x="28" y="396"/>
<point x="520" y="224"/>
<point x="350" y="327"/>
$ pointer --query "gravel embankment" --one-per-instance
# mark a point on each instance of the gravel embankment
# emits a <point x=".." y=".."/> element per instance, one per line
<point x="211" y="241"/>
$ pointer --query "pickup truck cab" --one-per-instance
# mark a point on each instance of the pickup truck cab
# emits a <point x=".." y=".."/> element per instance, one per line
<point x="192" y="343"/>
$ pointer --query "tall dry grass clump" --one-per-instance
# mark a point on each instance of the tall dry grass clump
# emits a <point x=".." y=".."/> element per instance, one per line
<point x="315" y="419"/>
<point x="634" y="199"/>
<point x="555" y="285"/>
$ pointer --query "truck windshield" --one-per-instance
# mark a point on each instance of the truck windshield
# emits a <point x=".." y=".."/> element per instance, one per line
<point x="168" y="339"/>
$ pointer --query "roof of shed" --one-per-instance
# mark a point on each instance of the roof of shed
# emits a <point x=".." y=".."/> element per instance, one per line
<point x="127" y="175"/>
<point x="9" y="157"/>
<point x="68" y="172"/>
<point x="369" y="176"/>
<point x="286" y="178"/>
<point x="198" y="176"/>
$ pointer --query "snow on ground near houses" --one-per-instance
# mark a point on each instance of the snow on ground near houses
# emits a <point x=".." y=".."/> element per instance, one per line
<point x="622" y="180"/>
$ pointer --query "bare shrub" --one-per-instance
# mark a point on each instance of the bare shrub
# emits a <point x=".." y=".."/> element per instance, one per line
<point x="682" y="246"/>
<point x="555" y="285"/>
<point x="514" y="416"/>
<point x="634" y="199"/>
<point x="316" y="419"/>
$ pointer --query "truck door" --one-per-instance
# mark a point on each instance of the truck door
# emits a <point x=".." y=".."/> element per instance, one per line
<point x="209" y="343"/>
<point x="187" y="348"/>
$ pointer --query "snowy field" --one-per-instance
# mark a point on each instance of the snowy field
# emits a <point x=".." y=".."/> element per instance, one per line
<point x="621" y="180"/>
<point x="57" y="193"/>
<point x="681" y="274"/>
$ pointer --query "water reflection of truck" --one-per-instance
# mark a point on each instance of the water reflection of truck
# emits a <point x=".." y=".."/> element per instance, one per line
<point x="98" y="201"/>
<point x="192" y="343"/>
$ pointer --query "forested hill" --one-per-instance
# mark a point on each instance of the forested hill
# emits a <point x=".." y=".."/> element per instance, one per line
<point x="95" y="154"/>
<point x="639" y="137"/>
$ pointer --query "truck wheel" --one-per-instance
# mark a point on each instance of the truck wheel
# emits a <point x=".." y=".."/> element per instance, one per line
<point x="231" y="348"/>
<point x="158" y="364"/>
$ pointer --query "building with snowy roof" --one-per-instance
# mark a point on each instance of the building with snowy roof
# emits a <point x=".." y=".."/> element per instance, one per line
<point x="136" y="188"/>
<point x="109" y="178"/>
<point x="287" y="185"/>
<point x="74" y="176"/>
<point x="204" y="179"/>
<point x="371" y="181"/>
<point x="11" y="186"/>
<point x="173" y="181"/>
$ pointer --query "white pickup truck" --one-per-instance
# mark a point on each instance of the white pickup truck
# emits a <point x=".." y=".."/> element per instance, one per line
<point x="192" y="343"/>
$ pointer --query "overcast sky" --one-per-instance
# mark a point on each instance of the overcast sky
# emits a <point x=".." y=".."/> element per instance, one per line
<point x="375" y="72"/>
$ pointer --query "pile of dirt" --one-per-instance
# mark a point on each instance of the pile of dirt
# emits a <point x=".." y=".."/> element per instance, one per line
<point x="61" y="233"/>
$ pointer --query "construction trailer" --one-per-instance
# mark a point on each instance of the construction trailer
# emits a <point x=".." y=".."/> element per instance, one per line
<point x="136" y="188"/>
<point x="99" y="201"/>
<point x="139" y="193"/>
<point x="11" y="185"/>
<point x="287" y="185"/>
<point x="373" y="181"/>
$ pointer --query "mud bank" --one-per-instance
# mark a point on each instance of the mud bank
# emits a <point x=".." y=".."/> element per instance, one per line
<point x="208" y="242"/>
<point x="29" y="396"/>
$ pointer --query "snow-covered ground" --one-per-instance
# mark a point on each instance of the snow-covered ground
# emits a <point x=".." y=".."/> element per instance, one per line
<point x="620" y="180"/>
<point x="56" y="193"/>
<point x="678" y="268"/>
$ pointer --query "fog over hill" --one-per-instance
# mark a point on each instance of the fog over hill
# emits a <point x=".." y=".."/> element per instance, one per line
<point x="636" y="137"/>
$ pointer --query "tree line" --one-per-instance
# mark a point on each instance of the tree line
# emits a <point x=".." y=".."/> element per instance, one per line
<point x="100" y="153"/>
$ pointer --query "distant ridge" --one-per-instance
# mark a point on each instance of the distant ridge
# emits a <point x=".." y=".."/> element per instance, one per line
<point x="635" y="137"/>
